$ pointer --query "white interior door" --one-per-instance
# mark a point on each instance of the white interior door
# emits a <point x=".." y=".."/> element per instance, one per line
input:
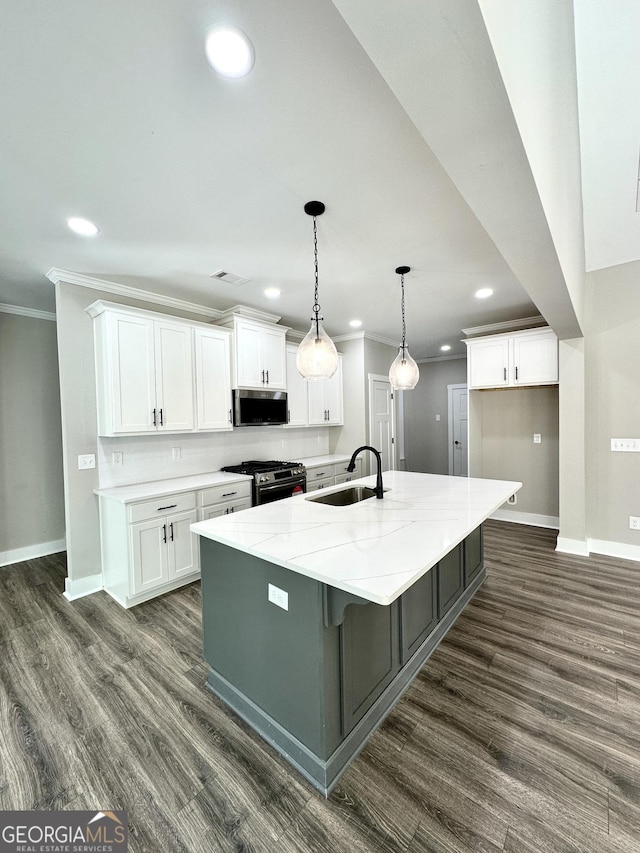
<point x="381" y="420"/>
<point x="458" y="422"/>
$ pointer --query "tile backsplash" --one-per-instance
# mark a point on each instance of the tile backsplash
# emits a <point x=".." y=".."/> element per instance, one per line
<point x="151" y="457"/>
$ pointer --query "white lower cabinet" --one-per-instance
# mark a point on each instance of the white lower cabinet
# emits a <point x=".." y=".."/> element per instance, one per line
<point x="224" y="500"/>
<point x="321" y="476"/>
<point x="148" y="547"/>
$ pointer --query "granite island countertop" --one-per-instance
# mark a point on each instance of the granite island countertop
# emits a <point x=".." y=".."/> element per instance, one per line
<point x="375" y="549"/>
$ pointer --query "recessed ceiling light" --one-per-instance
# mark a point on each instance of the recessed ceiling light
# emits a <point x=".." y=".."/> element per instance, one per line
<point x="82" y="226"/>
<point x="272" y="292"/>
<point x="229" y="52"/>
<point x="445" y="347"/>
<point x="355" y="324"/>
<point x="484" y="293"/>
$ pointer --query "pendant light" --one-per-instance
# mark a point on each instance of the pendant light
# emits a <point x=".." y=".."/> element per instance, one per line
<point x="403" y="373"/>
<point x="317" y="357"/>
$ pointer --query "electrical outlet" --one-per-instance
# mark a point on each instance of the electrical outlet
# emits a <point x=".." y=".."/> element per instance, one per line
<point x="175" y="453"/>
<point x="537" y="438"/>
<point x="513" y="500"/>
<point x="86" y="460"/>
<point x="278" y="596"/>
<point x="634" y="522"/>
<point x="116" y="459"/>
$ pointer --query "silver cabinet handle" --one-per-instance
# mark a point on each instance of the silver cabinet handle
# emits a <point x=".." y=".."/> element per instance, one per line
<point x="321" y="474"/>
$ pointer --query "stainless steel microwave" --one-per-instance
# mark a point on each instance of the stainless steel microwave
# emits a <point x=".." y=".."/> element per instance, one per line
<point x="259" y="408"/>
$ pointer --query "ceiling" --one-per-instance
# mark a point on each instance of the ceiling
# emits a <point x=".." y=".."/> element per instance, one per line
<point x="110" y="112"/>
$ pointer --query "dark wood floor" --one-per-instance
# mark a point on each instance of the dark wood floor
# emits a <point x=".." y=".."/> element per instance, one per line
<point x="521" y="734"/>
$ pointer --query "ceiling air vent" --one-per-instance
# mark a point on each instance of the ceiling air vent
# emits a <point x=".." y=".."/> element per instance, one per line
<point x="229" y="277"/>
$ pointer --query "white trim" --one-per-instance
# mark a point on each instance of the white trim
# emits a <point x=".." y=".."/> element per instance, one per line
<point x="506" y="326"/>
<point x="26" y="312"/>
<point x="369" y="336"/>
<point x="83" y="586"/>
<point x="31" y="552"/>
<point x="57" y="276"/>
<point x="580" y="547"/>
<point x="531" y="518"/>
<point x="248" y="313"/>
<point x="453" y="357"/>
<point x="614" y="549"/>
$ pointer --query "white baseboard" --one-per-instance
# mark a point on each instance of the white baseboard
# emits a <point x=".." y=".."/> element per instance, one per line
<point x="532" y="518"/>
<point x="83" y="586"/>
<point x="579" y="547"/>
<point x="31" y="552"/>
<point x="614" y="549"/>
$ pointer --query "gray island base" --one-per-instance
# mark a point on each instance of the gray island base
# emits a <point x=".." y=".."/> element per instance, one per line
<point x="315" y="680"/>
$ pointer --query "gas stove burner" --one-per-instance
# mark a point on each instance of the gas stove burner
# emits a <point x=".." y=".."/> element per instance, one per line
<point x="256" y="467"/>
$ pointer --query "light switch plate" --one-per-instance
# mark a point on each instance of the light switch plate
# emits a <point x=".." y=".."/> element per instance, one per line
<point x="537" y="438"/>
<point x="278" y="596"/>
<point x="626" y="445"/>
<point x="86" y="460"/>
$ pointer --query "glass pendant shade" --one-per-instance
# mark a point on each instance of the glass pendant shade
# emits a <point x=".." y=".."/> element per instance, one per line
<point x="317" y="357"/>
<point x="404" y="372"/>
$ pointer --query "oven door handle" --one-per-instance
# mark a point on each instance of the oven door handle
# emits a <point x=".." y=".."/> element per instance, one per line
<point x="286" y="485"/>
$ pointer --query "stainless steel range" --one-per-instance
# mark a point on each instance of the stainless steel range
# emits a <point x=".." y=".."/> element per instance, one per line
<point x="273" y="480"/>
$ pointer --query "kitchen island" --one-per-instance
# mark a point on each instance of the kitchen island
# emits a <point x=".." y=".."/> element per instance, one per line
<point x="316" y="617"/>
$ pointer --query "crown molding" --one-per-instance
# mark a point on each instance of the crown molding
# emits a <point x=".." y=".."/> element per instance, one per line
<point x="369" y="336"/>
<point x="248" y="313"/>
<point x="26" y="312"/>
<point x="506" y="326"/>
<point x="441" y="358"/>
<point x="57" y="275"/>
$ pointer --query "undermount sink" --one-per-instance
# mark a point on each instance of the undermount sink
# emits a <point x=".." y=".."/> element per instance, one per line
<point x="345" y="497"/>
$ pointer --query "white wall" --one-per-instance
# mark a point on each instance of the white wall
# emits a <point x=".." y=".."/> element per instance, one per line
<point x="31" y="489"/>
<point x="534" y="45"/>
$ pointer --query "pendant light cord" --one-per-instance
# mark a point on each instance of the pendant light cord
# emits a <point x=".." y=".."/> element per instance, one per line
<point x="403" y="320"/>
<point x="316" y="305"/>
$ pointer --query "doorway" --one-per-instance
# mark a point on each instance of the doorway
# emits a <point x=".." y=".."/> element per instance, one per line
<point x="382" y="420"/>
<point x="458" y="396"/>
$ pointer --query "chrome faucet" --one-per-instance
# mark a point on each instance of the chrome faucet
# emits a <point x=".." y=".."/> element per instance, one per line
<point x="352" y="465"/>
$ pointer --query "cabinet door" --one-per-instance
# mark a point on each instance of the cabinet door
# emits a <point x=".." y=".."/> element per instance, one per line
<point x="213" y="380"/>
<point x="535" y="358"/>
<point x="132" y="371"/>
<point x="273" y="359"/>
<point x="248" y="347"/>
<point x="333" y="396"/>
<point x="297" y="392"/>
<point x="317" y="407"/>
<point x="174" y="377"/>
<point x="472" y="555"/>
<point x="418" y="614"/>
<point x="369" y="657"/>
<point x="450" y="580"/>
<point x="488" y="363"/>
<point x="149" y="554"/>
<point x="182" y="544"/>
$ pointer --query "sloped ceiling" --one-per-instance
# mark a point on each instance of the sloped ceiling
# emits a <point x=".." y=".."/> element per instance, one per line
<point x="110" y="111"/>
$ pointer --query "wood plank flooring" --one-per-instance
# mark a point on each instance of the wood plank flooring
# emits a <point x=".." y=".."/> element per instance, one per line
<point x="520" y="735"/>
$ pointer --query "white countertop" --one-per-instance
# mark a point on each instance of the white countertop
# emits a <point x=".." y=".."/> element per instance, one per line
<point x="173" y="486"/>
<point x="375" y="549"/>
<point x="326" y="459"/>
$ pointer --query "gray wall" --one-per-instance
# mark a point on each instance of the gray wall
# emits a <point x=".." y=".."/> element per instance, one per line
<point x="612" y="357"/>
<point x="31" y="488"/>
<point x="426" y="439"/>
<point x="509" y="420"/>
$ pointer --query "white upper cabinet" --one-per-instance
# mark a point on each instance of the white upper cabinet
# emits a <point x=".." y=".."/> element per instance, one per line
<point x="297" y="392"/>
<point x="260" y="360"/>
<point x="144" y="370"/>
<point x="520" y="358"/>
<point x="212" y="347"/>
<point x="325" y="400"/>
